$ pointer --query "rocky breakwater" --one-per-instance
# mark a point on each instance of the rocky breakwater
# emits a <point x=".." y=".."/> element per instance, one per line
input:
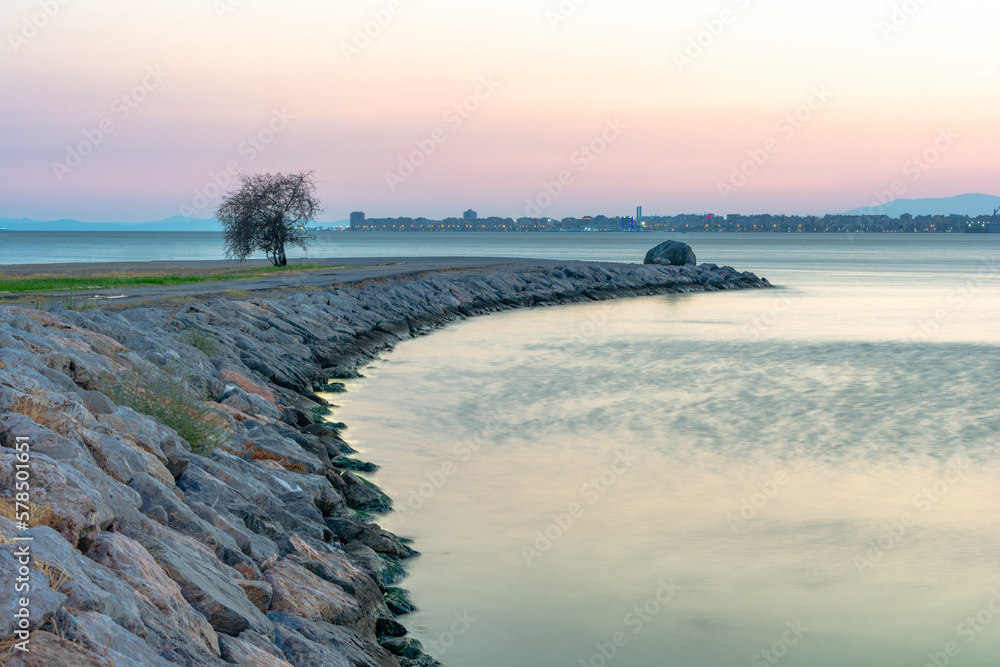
<point x="171" y="495"/>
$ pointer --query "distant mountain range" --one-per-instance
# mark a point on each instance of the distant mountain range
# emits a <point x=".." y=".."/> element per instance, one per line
<point x="972" y="205"/>
<point x="174" y="224"/>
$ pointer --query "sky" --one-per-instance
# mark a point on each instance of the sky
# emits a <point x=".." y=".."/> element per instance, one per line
<point x="137" y="110"/>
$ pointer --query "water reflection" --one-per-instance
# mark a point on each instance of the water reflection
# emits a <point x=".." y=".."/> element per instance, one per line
<point x="815" y="490"/>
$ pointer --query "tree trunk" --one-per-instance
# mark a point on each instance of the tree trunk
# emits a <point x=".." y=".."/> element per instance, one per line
<point x="281" y="257"/>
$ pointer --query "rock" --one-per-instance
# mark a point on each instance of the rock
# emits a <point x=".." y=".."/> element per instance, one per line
<point x="85" y="585"/>
<point x="45" y="602"/>
<point x="370" y="535"/>
<point x="49" y="650"/>
<point x="206" y="583"/>
<point x="157" y="498"/>
<point x="404" y="647"/>
<point x="79" y="505"/>
<point x="399" y="602"/>
<point x="101" y="635"/>
<point x="96" y="402"/>
<point x="333" y="565"/>
<point x="316" y="644"/>
<point x="133" y="564"/>
<point x="260" y="593"/>
<point x="300" y="592"/>
<point x="671" y="253"/>
<point x="386" y="570"/>
<point x="365" y="496"/>
<point x="389" y="628"/>
<point x="44" y="440"/>
<point x="347" y="463"/>
<point x="249" y="650"/>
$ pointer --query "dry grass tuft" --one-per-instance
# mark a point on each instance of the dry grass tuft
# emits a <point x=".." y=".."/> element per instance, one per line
<point x="7" y="650"/>
<point x="39" y="515"/>
<point x="58" y="577"/>
<point x="37" y="409"/>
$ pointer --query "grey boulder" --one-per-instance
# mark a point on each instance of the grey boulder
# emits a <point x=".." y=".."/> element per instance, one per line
<point x="671" y="253"/>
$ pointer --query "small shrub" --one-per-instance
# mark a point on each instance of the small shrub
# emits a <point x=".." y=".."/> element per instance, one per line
<point x="163" y="395"/>
<point x="201" y="340"/>
<point x="72" y="302"/>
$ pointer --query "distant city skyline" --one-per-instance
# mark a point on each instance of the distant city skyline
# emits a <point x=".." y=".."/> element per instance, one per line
<point x="403" y="107"/>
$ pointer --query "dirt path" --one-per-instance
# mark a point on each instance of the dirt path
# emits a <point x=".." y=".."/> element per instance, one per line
<point x="342" y="270"/>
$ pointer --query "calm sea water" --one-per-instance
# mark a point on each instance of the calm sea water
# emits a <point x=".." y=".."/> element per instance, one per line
<point x="806" y="476"/>
<point x="769" y="252"/>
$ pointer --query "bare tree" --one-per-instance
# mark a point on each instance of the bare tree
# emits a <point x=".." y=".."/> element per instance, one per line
<point x="267" y="213"/>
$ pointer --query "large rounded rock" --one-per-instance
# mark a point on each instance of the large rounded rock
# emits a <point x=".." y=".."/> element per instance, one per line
<point x="671" y="253"/>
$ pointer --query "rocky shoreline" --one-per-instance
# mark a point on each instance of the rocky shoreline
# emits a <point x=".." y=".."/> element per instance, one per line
<point x="252" y="542"/>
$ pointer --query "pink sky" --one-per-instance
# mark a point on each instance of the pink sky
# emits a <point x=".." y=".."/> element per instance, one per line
<point x="894" y="81"/>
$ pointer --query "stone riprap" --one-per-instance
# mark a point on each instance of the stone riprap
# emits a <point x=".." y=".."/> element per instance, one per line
<point x="260" y="551"/>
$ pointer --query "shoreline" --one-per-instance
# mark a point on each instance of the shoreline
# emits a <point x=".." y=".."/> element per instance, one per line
<point x="250" y="532"/>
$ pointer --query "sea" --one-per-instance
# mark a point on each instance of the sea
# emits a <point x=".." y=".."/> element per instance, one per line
<point x="807" y="476"/>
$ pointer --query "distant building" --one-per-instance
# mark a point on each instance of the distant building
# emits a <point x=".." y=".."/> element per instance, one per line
<point x="357" y="220"/>
<point x="470" y="216"/>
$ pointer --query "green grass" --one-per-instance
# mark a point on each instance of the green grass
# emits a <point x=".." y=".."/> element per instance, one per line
<point x="57" y="283"/>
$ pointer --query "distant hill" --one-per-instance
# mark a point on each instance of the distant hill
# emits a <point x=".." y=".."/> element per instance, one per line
<point x="972" y="205"/>
<point x="174" y="224"/>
